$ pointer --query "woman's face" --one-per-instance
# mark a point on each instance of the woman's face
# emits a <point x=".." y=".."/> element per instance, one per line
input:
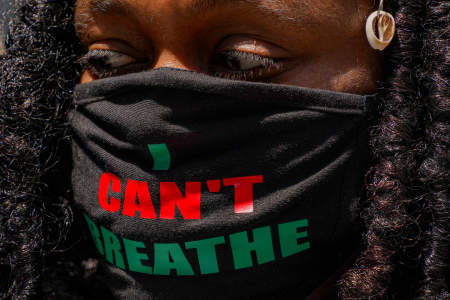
<point x="310" y="43"/>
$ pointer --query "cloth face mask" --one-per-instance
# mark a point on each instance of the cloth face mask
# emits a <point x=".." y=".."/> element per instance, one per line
<point x="198" y="187"/>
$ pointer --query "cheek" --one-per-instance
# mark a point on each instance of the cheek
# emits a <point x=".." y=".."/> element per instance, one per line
<point x="360" y="74"/>
<point x="338" y="57"/>
<point x="354" y="69"/>
<point x="358" y="81"/>
<point x="86" y="77"/>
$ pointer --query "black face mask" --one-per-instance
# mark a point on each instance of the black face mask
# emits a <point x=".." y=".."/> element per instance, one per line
<point x="196" y="187"/>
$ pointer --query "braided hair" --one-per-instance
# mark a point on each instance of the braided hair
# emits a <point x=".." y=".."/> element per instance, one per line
<point x="406" y="213"/>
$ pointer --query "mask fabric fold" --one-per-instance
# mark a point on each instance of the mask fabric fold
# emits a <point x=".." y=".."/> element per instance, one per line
<point x="197" y="187"/>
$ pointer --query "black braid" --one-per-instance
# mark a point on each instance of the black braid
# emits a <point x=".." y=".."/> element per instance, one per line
<point x="38" y="74"/>
<point x="406" y="214"/>
<point x="435" y="169"/>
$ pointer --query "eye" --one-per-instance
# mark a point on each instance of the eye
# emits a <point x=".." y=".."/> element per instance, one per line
<point x="229" y="64"/>
<point x="241" y="65"/>
<point x="243" y="61"/>
<point x="106" y="63"/>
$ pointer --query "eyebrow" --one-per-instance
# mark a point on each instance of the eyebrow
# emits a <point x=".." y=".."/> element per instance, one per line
<point x="196" y="6"/>
<point x="108" y="6"/>
<point x="275" y="8"/>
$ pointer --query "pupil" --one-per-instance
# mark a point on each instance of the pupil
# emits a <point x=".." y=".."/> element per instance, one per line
<point x="99" y="61"/>
<point x="232" y="63"/>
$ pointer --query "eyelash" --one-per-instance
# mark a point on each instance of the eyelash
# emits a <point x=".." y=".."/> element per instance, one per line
<point x="267" y="66"/>
<point x="98" y="62"/>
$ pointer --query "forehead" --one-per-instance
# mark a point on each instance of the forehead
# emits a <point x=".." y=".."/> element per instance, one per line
<point x="321" y="37"/>
<point x="298" y="11"/>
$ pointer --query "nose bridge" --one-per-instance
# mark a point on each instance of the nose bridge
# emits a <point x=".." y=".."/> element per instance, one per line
<point x="173" y="38"/>
<point x="177" y="49"/>
<point x="172" y="59"/>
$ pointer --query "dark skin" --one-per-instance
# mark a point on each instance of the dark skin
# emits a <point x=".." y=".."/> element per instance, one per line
<point x="318" y="44"/>
<point x="314" y="43"/>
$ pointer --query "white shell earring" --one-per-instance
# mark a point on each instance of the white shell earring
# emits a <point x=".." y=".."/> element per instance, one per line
<point x="380" y="28"/>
